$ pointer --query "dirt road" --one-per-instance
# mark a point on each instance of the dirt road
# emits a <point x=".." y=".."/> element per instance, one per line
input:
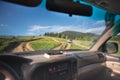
<point x="63" y="46"/>
<point x="24" y="46"/>
<point x="68" y="46"/>
<point x="58" y="47"/>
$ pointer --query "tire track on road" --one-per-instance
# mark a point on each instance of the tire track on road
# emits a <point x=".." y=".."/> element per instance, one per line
<point x="24" y="46"/>
<point x="68" y="46"/>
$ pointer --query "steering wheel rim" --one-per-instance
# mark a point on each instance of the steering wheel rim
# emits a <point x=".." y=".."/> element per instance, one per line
<point x="7" y="72"/>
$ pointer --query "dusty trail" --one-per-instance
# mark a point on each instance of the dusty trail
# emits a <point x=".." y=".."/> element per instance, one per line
<point x="58" y="47"/>
<point x="68" y="46"/>
<point x="24" y="46"/>
<point x="62" y="45"/>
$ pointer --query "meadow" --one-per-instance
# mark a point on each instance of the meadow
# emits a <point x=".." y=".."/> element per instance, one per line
<point x="44" y="44"/>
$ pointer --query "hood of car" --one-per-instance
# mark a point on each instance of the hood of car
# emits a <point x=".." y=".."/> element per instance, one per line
<point x="109" y="5"/>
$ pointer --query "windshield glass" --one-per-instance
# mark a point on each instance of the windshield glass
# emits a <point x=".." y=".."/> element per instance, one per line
<point x="30" y="29"/>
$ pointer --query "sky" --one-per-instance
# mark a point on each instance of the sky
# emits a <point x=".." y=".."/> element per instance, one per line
<point x="21" y="20"/>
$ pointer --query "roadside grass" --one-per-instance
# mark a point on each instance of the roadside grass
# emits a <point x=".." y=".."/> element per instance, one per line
<point x="20" y="38"/>
<point x="73" y="46"/>
<point x="23" y="38"/>
<point x="81" y="44"/>
<point x="5" y="41"/>
<point x="3" y="44"/>
<point x="59" y="39"/>
<point x="44" y="44"/>
<point x="85" y="43"/>
<point x="62" y="40"/>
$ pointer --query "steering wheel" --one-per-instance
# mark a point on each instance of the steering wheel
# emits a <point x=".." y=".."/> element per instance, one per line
<point x="7" y="73"/>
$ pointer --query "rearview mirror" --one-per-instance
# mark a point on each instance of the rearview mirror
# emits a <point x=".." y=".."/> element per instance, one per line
<point x="30" y="3"/>
<point x="69" y="7"/>
<point x="111" y="47"/>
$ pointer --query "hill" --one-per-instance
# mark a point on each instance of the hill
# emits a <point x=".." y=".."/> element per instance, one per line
<point x="73" y="35"/>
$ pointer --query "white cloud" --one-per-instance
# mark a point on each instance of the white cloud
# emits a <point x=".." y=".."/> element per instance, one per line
<point x="95" y="30"/>
<point x="36" y="28"/>
<point x="3" y="25"/>
<point x="60" y="28"/>
<point x="95" y="27"/>
<point x="100" y="22"/>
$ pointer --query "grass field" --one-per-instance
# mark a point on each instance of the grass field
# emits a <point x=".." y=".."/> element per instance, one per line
<point x="44" y="44"/>
<point x="3" y="44"/>
<point x="85" y="43"/>
<point x="77" y="47"/>
<point x="5" y="41"/>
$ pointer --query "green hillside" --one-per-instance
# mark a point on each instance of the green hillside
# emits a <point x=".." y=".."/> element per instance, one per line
<point x="73" y="35"/>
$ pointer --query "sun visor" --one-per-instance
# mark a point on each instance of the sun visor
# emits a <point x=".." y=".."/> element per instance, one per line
<point x="29" y="3"/>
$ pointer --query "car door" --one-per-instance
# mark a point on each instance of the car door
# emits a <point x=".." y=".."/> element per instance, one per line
<point x="113" y="58"/>
<point x="113" y="65"/>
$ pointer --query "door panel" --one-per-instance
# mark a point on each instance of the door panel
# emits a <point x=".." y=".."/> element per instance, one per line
<point x="113" y="65"/>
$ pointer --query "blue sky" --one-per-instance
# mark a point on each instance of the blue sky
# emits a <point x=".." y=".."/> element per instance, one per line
<point x="20" y="20"/>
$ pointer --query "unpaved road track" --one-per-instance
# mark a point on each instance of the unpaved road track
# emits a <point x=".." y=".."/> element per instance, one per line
<point x="68" y="46"/>
<point x="59" y="47"/>
<point x="24" y="46"/>
<point x="62" y="45"/>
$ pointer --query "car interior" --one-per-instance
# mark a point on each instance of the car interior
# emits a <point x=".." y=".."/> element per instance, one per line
<point x="97" y="63"/>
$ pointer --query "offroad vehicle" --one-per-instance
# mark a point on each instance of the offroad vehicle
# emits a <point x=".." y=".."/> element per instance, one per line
<point x="69" y="40"/>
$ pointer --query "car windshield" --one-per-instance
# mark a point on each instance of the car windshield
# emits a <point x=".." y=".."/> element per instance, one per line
<point x="31" y="29"/>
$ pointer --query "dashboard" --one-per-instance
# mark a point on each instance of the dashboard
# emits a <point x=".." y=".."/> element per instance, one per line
<point x="60" y="70"/>
<point x="56" y="66"/>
